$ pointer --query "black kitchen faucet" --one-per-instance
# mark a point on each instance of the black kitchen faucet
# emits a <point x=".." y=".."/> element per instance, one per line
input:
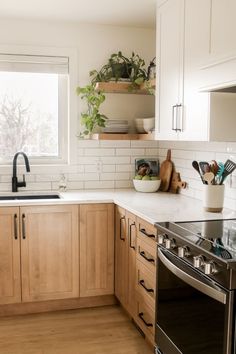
<point x="15" y="183"/>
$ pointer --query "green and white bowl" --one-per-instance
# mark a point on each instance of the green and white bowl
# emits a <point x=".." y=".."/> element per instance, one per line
<point x="146" y="186"/>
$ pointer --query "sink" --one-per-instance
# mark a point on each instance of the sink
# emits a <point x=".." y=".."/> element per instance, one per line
<point x="29" y="196"/>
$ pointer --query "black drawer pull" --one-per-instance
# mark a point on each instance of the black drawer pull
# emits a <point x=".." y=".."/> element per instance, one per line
<point x="140" y="315"/>
<point x="142" y="253"/>
<point x="143" y="231"/>
<point x="142" y="283"/>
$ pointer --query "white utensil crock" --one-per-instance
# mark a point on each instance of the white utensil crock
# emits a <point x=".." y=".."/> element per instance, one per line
<point x="213" y="197"/>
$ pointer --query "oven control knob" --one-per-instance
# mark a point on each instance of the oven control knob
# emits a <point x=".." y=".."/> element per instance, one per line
<point x="170" y="243"/>
<point x="183" y="251"/>
<point x="198" y="261"/>
<point x="161" y="238"/>
<point x="210" y="268"/>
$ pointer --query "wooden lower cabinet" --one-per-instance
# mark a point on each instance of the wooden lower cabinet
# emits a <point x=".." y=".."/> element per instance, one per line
<point x="49" y="252"/>
<point x="96" y="249"/>
<point x="10" y="284"/>
<point x="125" y="255"/>
<point x="121" y="257"/>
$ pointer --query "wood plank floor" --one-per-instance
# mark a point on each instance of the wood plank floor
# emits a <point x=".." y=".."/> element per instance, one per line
<point x="103" y="330"/>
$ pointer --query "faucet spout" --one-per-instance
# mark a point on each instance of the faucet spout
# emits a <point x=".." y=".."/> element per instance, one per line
<point x="15" y="183"/>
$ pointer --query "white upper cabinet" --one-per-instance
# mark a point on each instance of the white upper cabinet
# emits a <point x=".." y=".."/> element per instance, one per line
<point x="178" y="102"/>
<point x="219" y="62"/>
<point x="184" y="33"/>
<point x="170" y="26"/>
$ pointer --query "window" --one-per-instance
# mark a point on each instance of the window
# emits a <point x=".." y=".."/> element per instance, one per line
<point x="34" y="106"/>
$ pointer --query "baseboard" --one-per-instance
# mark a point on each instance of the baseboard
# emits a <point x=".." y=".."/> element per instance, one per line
<point x="56" y="305"/>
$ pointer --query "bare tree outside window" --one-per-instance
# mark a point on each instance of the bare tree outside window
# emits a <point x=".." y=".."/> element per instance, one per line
<point x="28" y="114"/>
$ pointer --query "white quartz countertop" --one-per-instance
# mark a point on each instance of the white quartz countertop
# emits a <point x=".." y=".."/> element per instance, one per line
<point x="153" y="207"/>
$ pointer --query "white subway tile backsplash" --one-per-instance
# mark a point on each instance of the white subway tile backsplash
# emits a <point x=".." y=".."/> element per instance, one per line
<point x="115" y="143"/>
<point x="124" y="184"/>
<point x="84" y="177"/>
<point x="86" y="143"/>
<point x="99" y="152"/>
<point x="115" y="160"/>
<point x="129" y="152"/>
<point x="111" y="164"/>
<point x="124" y="168"/>
<point x="99" y="184"/>
<point x="151" y="152"/>
<point x="109" y="168"/>
<point x="144" y="144"/>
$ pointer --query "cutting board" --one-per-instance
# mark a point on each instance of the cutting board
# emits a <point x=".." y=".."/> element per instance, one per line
<point x="176" y="183"/>
<point x="166" y="172"/>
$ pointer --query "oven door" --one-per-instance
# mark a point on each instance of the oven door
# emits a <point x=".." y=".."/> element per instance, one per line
<point x="193" y="314"/>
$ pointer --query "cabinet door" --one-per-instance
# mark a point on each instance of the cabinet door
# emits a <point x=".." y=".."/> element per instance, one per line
<point x="170" y="32"/>
<point x="196" y="103"/>
<point x="121" y="256"/>
<point x="96" y="249"/>
<point x="10" y="287"/>
<point x="222" y="43"/>
<point x="132" y="245"/>
<point x="49" y="248"/>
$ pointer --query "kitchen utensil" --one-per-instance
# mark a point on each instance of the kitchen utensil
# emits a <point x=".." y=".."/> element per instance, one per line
<point x="176" y="183"/>
<point x="214" y="167"/>
<point x="204" y="167"/>
<point x="195" y="165"/>
<point x="229" y="167"/>
<point x="166" y="172"/>
<point x="220" y="171"/>
<point x="209" y="177"/>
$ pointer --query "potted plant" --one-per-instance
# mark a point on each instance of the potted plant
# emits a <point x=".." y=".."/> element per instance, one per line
<point x="121" y="67"/>
<point x="92" y="118"/>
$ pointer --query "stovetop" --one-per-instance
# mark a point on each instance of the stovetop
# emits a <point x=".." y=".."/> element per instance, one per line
<point x="215" y="236"/>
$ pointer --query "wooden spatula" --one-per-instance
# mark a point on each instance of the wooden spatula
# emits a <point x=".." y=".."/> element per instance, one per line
<point x="166" y="172"/>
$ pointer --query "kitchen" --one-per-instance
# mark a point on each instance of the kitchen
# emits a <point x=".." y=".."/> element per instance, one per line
<point x="101" y="165"/>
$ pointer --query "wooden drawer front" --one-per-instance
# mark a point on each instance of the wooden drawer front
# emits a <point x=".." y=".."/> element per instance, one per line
<point x="147" y="232"/>
<point x="145" y="318"/>
<point x="146" y="283"/>
<point x="147" y="255"/>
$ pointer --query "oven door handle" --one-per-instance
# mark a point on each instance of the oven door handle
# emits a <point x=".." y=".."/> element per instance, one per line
<point x="212" y="291"/>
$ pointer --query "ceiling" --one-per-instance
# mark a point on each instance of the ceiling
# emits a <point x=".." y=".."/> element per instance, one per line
<point x="137" y="13"/>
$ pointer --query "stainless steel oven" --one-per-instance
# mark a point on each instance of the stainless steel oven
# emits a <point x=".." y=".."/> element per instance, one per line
<point x="195" y="305"/>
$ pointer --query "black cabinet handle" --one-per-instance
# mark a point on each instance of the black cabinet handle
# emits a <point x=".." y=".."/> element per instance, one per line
<point x="140" y="315"/>
<point x="143" y="231"/>
<point x="142" y="283"/>
<point x="130" y="235"/>
<point x="15" y="227"/>
<point x="142" y="253"/>
<point x="23" y="227"/>
<point x="121" y="238"/>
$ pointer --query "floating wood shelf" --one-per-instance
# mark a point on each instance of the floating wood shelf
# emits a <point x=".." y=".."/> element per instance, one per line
<point x="107" y="136"/>
<point x="123" y="87"/>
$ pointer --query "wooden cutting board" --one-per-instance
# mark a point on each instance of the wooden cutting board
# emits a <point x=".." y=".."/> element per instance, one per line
<point x="176" y="183"/>
<point x="166" y="172"/>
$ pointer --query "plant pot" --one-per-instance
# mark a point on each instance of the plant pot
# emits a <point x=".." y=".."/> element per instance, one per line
<point x="121" y="70"/>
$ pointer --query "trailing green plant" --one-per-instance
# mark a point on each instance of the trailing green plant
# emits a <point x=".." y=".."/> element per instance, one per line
<point x="120" y="67"/>
<point x="92" y="118"/>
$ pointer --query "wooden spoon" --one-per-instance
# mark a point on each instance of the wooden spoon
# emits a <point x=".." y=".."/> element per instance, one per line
<point x="208" y="177"/>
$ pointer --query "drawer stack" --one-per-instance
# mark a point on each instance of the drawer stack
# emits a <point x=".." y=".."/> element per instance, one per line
<point x="145" y="281"/>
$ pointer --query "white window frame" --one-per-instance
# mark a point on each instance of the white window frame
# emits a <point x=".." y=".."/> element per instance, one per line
<point x="67" y="119"/>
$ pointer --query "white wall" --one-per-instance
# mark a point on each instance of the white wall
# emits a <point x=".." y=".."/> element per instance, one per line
<point x="96" y="164"/>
